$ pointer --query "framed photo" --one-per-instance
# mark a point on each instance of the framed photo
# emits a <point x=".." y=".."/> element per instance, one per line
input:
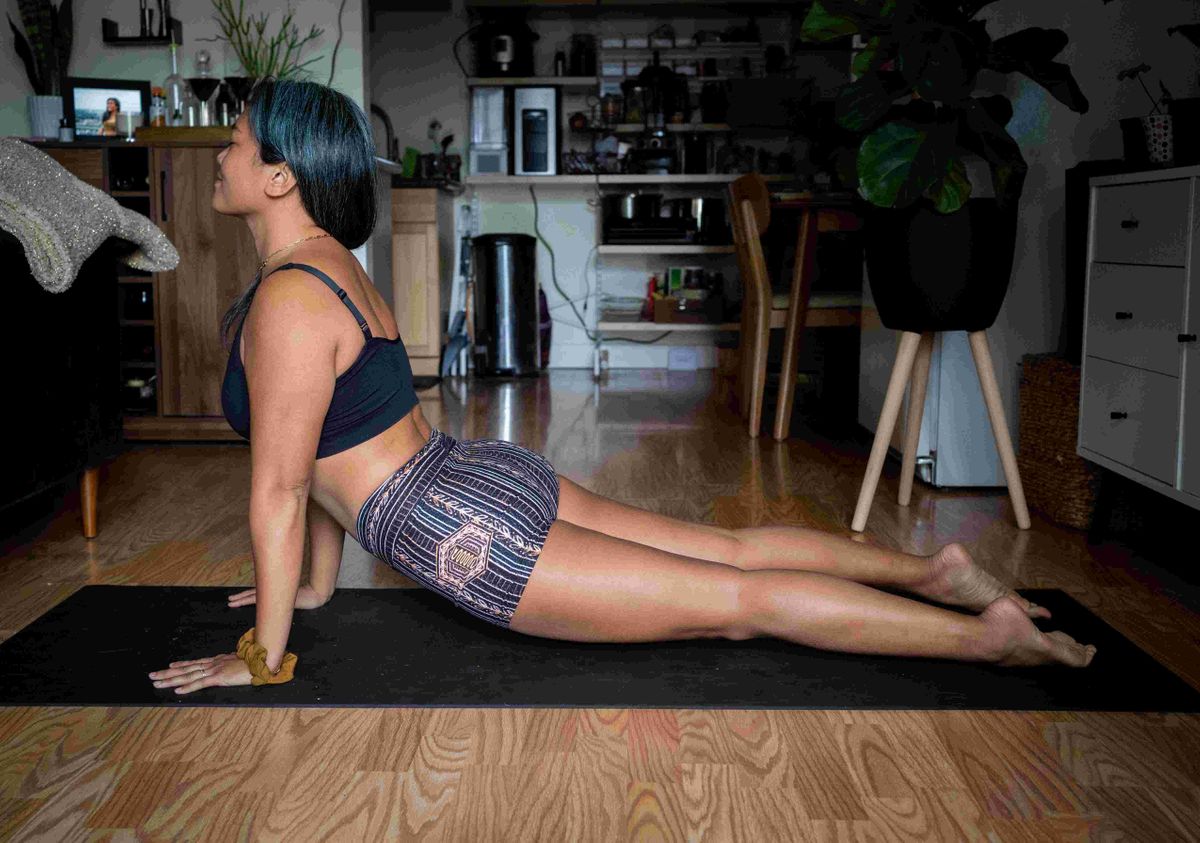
<point x="91" y="105"/>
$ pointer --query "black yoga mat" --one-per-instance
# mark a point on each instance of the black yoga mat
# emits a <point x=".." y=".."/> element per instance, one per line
<point x="412" y="647"/>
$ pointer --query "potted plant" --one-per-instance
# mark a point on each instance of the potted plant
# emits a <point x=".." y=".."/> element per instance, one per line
<point x="262" y="56"/>
<point x="45" y="50"/>
<point x="912" y="120"/>
<point x="1148" y="138"/>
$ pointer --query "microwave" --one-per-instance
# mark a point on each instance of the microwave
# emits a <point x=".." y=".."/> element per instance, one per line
<point x="535" y="141"/>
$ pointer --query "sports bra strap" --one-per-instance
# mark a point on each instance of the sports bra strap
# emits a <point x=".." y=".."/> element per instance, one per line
<point x="341" y="294"/>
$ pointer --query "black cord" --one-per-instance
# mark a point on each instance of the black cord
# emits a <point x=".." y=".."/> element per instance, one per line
<point x="336" y="44"/>
<point x="454" y="48"/>
<point x="554" y="279"/>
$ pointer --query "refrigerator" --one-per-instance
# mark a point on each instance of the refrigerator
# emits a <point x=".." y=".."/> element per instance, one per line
<point x="956" y="445"/>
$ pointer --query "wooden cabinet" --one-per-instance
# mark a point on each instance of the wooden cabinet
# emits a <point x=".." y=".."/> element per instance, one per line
<point x="170" y="321"/>
<point x="422" y="260"/>
<point x="1139" y="412"/>
<point x="217" y="260"/>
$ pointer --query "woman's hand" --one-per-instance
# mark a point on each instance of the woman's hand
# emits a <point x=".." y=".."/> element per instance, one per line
<point x="306" y="598"/>
<point x="225" y="670"/>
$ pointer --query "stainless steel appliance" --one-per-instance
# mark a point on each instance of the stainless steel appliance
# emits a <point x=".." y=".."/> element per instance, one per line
<point x="489" y="131"/>
<point x="506" y="312"/>
<point x="535" y="131"/>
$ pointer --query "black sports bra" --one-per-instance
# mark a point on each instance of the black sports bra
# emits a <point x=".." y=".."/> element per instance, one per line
<point x="368" y="398"/>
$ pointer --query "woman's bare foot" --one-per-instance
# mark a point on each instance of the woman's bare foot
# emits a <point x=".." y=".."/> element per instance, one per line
<point x="1011" y="639"/>
<point x="956" y="580"/>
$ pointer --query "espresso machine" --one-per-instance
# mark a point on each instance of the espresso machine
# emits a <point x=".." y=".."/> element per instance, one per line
<point x="655" y="98"/>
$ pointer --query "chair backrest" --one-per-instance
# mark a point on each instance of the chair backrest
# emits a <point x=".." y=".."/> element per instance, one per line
<point x="750" y="211"/>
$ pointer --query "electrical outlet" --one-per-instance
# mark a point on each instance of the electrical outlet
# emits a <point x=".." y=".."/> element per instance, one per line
<point x="604" y="358"/>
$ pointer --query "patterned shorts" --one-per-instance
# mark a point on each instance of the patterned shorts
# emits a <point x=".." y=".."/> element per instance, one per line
<point x="465" y="519"/>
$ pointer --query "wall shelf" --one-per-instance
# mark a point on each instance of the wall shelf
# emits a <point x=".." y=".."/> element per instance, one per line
<point x="663" y="249"/>
<point x="560" y="81"/>
<point x="660" y="327"/>
<point x="610" y="178"/>
<point x="109" y="31"/>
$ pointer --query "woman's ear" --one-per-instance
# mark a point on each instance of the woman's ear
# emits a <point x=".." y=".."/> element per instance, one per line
<point x="281" y="181"/>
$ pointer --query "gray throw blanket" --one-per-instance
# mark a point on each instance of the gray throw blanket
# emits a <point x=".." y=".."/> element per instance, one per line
<point x="61" y="220"/>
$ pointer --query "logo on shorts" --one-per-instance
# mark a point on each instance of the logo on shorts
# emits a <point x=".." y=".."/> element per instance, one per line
<point x="463" y="555"/>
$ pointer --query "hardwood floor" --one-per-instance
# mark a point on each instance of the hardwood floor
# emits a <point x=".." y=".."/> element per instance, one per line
<point x="176" y="514"/>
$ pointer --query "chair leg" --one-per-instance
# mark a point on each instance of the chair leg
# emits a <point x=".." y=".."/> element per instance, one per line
<point x="901" y="371"/>
<point x="916" y="408"/>
<point x="991" y="395"/>
<point x="89" y="486"/>
<point x="760" y="331"/>
<point x="802" y="274"/>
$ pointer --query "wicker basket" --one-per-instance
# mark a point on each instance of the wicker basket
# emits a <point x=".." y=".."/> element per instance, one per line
<point x="1057" y="481"/>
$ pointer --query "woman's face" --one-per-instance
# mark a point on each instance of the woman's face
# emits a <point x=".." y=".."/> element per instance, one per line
<point x="241" y="174"/>
<point x="111" y="105"/>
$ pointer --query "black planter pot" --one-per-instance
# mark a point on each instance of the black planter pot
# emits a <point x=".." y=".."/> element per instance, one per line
<point x="939" y="272"/>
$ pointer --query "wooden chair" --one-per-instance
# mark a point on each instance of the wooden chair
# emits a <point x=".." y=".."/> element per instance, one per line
<point x="750" y="209"/>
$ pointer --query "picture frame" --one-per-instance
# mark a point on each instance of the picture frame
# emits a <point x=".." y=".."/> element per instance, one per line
<point x="85" y="103"/>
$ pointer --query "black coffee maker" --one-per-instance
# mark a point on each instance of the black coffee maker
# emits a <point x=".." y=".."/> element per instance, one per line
<point x="504" y="47"/>
<point x="659" y="96"/>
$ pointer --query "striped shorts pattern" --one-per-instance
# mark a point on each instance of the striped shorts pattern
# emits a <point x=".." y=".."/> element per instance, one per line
<point x="466" y="519"/>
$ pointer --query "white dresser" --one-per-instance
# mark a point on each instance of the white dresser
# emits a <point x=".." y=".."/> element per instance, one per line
<point x="1140" y="393"/>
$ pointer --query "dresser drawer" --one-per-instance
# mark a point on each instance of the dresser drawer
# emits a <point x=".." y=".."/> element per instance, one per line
<point x="1135" y="315"/>
<point x="1142" y="223"/>
<point x="1146" y="437"/>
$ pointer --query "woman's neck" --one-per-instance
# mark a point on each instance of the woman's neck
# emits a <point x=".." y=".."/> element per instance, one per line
<point x="272" y="236"/>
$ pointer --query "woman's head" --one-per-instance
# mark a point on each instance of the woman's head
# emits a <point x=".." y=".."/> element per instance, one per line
<point x="317" y="137"/>
<point x="113" y="105"/>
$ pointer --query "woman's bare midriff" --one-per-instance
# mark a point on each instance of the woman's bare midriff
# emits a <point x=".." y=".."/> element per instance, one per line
<point x="342" y="482"/>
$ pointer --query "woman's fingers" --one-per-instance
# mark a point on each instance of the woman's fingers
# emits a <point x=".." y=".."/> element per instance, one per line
<point x="243" y="598"/>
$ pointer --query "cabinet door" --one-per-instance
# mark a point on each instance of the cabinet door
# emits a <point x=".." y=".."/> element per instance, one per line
<point x="217" y="260"/>
<point x="415" y="286"/>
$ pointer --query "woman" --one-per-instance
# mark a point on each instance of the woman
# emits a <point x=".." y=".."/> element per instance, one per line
<point x="108" y="123"/>
<point x="488" y="524"/>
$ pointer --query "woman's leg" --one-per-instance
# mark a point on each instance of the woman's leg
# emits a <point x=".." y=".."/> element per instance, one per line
<point x="589" y="586"/>
<point x="949" y="576"/>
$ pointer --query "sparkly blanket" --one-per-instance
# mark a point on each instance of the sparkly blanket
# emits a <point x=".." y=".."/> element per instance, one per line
<point x="61" y="220"/>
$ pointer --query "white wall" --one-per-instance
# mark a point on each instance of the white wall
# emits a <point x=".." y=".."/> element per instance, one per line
<point x="91" y="57"/>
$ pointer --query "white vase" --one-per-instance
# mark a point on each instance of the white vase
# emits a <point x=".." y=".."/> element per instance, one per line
<point x="44" y="114"/>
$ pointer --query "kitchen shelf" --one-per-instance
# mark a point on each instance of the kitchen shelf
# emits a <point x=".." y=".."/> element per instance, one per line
<point x="633" y="128"/>
<point x="660" y="327"/>
<point x="663" y="249"/>
<point x="129" y="193"/>
<point x="561" y="81"/>
<point x="609" y="178"/>
<point x="110" y="33"/>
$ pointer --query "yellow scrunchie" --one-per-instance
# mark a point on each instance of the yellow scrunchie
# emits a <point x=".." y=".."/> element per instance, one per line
<point x="255" y="657"/>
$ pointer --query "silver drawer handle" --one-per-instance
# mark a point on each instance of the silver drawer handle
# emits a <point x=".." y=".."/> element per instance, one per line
<point x="1129" y="224"/>
<point x="1124" y="315"/>
<point x="1115" y="416"/>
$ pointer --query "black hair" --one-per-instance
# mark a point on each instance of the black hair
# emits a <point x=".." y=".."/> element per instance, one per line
<point x="326" y="140"/>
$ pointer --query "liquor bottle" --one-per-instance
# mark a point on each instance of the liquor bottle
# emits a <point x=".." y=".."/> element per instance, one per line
<point x="176" y="93"/>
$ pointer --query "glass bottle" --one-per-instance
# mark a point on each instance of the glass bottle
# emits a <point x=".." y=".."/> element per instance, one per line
<point x="175" y="91"/>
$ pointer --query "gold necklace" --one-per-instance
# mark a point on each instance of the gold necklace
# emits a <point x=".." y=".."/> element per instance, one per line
<point x="288" y="246"/>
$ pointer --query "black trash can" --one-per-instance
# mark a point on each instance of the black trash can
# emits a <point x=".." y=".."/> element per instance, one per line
<point x="507" y="333"/>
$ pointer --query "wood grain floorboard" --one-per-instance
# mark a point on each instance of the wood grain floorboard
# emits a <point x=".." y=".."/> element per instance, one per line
<point x="175" y="514"/>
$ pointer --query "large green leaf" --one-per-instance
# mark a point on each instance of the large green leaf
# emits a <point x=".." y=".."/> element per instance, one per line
<point x="982" y="131"/>
<point x="866" y="57"/>
<point x="898" y="162"/>
<point x="940" y="62"/>
<point x="822" y="25"/>
<point x="1031" y="51"/>
<point x="865" y="101"/>
<point x="951" y="191"/>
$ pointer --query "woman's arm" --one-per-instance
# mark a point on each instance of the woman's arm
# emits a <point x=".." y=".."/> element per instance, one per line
<point x="290" y="373"/>
<point x="326" y="538"/>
